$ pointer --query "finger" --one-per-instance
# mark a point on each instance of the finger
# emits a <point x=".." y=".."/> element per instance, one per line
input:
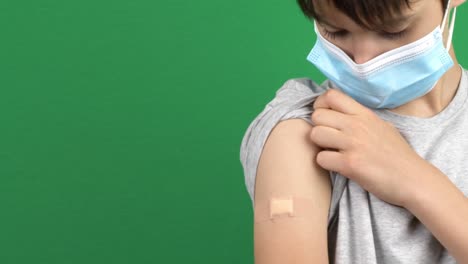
<point x="337" y="100"/>
<point x="330" y="160"/>
<point x="327" y="137"/>
<point x="320" y="102"/>
<point x="329" y="118"/>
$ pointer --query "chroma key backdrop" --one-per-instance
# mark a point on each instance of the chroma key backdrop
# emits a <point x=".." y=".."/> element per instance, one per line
<point x="121" y="124"/>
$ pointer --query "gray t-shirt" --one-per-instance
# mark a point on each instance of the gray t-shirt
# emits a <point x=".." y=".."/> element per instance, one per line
<point x="361" y="227"/>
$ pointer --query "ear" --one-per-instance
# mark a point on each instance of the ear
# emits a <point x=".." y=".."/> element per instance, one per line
<point x="455" y="3"/>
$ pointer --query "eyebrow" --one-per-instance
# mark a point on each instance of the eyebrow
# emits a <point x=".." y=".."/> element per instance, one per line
<point x="391" y="23"/>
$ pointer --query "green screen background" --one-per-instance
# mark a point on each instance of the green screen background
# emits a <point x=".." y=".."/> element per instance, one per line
<point x="121" y="124"/>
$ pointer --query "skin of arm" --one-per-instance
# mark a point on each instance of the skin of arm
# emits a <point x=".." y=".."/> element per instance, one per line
<point x="443" y="209"/>
<point x="285" y="169"/>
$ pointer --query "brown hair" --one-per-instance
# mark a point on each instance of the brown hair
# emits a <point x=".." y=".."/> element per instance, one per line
<point x="369" y="14"/>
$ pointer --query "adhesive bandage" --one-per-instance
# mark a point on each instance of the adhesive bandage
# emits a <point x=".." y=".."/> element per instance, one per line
<point x="283" y="207"/>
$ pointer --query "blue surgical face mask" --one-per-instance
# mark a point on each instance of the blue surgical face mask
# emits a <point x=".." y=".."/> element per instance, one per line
<point x="392" y="78"/>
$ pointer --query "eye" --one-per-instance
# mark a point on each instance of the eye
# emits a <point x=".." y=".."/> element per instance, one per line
<point x="393" y="35"/>
<point x="335" y="34"/>
<point x="342" y="33"/>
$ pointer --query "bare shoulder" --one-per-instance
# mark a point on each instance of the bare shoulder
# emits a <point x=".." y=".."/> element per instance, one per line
<point x="287" y="166"/>
<point x="287" y="163"/>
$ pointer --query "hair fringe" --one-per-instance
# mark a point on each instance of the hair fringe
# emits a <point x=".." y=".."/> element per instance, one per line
<point x="368" y="14"/>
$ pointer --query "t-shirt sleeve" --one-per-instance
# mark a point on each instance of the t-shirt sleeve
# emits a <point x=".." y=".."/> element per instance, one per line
<point x="293" y="100"/>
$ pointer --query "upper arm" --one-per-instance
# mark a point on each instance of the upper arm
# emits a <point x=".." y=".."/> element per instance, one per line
<point x="287" y="166"/>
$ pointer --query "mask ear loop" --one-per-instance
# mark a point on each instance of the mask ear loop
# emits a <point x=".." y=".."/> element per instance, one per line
<point x="446" y="14"/>
<point x="452" y="24"/>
